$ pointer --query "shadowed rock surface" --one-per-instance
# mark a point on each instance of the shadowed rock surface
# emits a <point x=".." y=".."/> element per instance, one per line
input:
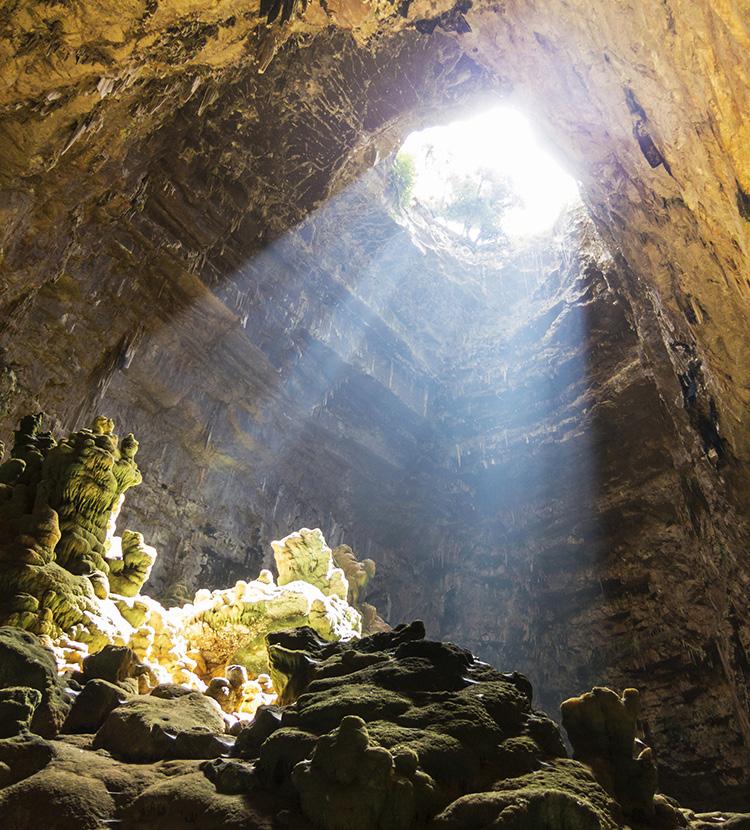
<point x="388" y="732"/>
<point x="547" y="462"/>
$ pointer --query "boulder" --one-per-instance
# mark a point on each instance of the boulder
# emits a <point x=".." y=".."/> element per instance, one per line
<point x="563" y="795"/>
<point x="170" y="691"/>
<point x="148" y="728"/>
<point x="17" y="707"/>
<point x="21" y="757"/>
<point x="116" y="664"/>
<point x="192" y="801"/>
<point x="250" y="739"/>
<point x="92" y="706"/>
<point x="25" y="662"/>
<point x="230" y="775"/>
<point x="57" y="799"/>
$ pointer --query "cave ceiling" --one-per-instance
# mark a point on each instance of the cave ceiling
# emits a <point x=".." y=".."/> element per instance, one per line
<point x="646" y="105"/>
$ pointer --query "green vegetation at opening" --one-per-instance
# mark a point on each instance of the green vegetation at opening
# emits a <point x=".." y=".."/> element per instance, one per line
<point x="401" y="178"/>
<point x="471" y="204"/>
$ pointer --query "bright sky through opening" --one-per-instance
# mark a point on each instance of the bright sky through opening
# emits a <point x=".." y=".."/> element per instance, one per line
<point x="501" y="139"/>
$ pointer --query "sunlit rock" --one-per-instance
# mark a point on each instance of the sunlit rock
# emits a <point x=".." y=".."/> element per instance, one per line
<point x="132" y="567"/>
<point x="66" y="575"/>
<point x="304" y="556"/>
<point x="358" y="575"/>
<point x="230" y="626"/>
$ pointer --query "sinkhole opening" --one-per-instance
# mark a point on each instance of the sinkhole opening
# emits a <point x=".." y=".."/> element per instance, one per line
<point x="487" y="178"/>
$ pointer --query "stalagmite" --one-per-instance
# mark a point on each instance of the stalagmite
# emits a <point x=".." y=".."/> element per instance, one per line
<point x="64" y="574"/>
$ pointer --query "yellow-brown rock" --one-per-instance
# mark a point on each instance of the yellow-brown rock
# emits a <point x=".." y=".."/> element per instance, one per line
<point x="161" y="165"/>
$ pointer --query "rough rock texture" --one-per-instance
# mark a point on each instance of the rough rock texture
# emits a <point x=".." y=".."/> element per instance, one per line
<point x="25" y="663"/>
<point x="602" y="726"/>
<point x="150" y="729"/>
<point x="387" y="732"/>
<point x="58" y="548"/>
<point x="17" y="707"/>
<point x="592" y="533"/>
<point x="304" y="556"/>
<point x="58" y="504"/>
<point x="394" y="731"/>
<point x="92" y="706"/>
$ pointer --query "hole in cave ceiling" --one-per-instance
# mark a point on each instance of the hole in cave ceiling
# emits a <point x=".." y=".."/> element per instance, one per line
<point x="487" y="177"/>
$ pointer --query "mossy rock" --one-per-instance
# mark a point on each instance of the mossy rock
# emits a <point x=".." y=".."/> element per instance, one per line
<point x="564" y="796"/>
<point x="323" y="710"/>
<point x="148" y="728"/>
<point x="25" y="662"/>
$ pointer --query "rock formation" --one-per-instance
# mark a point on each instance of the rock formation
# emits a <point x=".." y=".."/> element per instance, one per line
<point x="602" y="727"/>
<point x="172" y="722"/>
<point x="304" y="556"/>
<point x="386" y="732"/>
<point x="186" y="240"/>
<point x="65" y="575"/>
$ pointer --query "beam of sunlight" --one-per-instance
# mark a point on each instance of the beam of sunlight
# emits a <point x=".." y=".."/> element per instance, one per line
<point x="503" y="141"/>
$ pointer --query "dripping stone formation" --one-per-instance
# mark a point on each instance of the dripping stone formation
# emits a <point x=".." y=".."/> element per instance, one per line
<point x="276" y="703"/>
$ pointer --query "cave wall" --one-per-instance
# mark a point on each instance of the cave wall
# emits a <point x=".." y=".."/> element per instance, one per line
<point x="647" y="104"/>
<point x="163" y="259"/>
<point x="181" y="266"/>
<point x="596" y="544"/>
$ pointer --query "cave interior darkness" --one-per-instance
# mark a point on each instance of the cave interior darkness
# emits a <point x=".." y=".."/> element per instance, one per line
<point x="256" y="261"/>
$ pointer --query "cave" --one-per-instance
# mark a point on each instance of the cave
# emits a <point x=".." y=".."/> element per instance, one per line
<point x="443" y="460"/>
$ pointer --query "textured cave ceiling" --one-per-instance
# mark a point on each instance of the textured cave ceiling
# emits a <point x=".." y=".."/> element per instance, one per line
<point x="186" y="219"/>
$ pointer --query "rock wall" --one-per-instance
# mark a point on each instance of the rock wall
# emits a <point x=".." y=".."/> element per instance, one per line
<point x="592" y="538"/>
<point x="578" y="508"/>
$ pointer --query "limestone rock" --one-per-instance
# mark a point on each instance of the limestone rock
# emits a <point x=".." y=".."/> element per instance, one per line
<point x="230" y="625"/>
<point x="148" y="729"/>
<point x="230" y="776"/>
<point x="386" y="732"/>
<point x="616" y="88"/>
<point x="25" y="662"/>
<point x="61" y="800"/>
<point x="192" y="799"/>
<point x="250" y="739"/>
<point x="83" y="480"/>
<point x="602" y="727"/>
<point x="17" y="707"/>
<point x="349" y="781"/>
<point x="304" y="556"/>
<point x="58" y="551"/>
<point x="57" y="518"/>
<point x="23" y="756"/>
<point x="115" y="664"/>
<point x="132" y="568"/>
<point x="170" y="691"/>
<point x="433" y="721"/>
<point x="563" y="795"/>
<point x="358" y="574"/>
<point x="93" y="704"/>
